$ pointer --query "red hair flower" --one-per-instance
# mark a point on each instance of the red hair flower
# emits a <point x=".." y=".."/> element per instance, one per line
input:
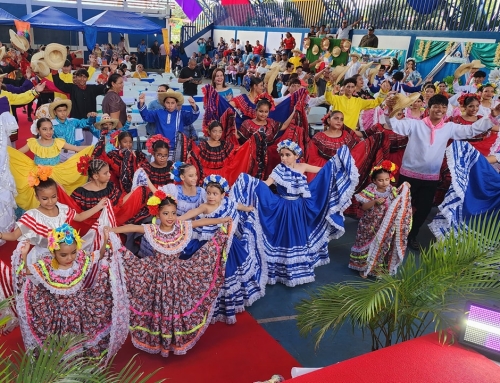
<point x="465" y="96"/>
<point x="113" y="139"/>
<point x="151" y="141"/>
<point x="268" y="98"/>
<point x="83" y="165"/>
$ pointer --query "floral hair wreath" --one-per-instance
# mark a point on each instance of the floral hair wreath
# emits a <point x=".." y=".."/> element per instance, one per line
<point x="155" y="201"/>
<point x="389" y="167"/>
<point x="152" y="140"/>
<point x="268" y="98"/>
<point x="493" y="85"/>
<point x="42" y="174"/>
<point x="213" y="178"/>
<point x="464" y="96"/>
<point x="83" y="165"/>
<point x="176" y="171"/>
<point x="290" y="145"/>
<point x="63" y="234"/>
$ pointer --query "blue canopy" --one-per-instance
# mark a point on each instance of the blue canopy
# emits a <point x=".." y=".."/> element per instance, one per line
<point x="123" y="22"/>
<point x="6" y="18"/>
<point x="52" y="18"/>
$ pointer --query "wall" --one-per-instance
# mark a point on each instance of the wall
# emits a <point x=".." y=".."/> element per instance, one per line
<point x="193" y="45"/>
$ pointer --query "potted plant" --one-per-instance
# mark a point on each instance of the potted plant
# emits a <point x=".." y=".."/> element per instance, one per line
<point x="428" y="291"/>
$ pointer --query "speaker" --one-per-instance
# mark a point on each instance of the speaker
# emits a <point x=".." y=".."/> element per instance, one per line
<point x="480" y="329"/>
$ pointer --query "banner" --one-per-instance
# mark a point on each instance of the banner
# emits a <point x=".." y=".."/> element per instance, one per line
<point x="375" y="54"/>
<point x="166" y="44"/>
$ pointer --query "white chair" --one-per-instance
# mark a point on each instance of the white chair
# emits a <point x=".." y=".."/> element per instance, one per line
<point x="315" y="123"/>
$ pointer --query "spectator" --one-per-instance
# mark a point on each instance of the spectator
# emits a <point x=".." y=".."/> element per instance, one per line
<point x="103" y="76"/>
<point x="206" y="65"/>
<point x="202" y="46"/>
<point x="121" y="47"/>
<point x="178" y="65"/>
<point x="248" y="51"/>
<point x="262" y="69"/>
<point x="345" y="29"/>
<point x="369" y="40"/>
<point x="112" y="102"/>
<point x="321" y="79"/>
<point x="240" y="72"/>
<point x="133" y="62"/>
<point x="239" y="45"/>
<point x="155" y="53"/>
<point x="304" y="63"/>
<point x="190" y="78"/>
<point x="142" y="50"/>
<point x="139" y="72"/>
<point x="213" y="65"/>
<point x="289" y="43"/>
<point x="174" y="52"/>
<point x="163" y="56"/>
<point x="108" y="53"/>
<point x="210" y="45"/>
<point x="97" y="52"/>
<point x="257" y="52"/>
<point x="290" y="68"/>
<point x="322" y="32"/>
<point x="312" y="32"/>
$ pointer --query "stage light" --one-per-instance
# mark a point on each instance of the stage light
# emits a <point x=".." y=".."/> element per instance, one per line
<point x="481" y="329"/>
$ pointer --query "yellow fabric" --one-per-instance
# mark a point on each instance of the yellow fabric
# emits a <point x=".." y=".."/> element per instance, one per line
<point x="140" y="75"/>
<point x="65" y="174"/>
<point x="91" y="71"/>
<point x="351" y="107"/>
<point x="45" y="151"/>
<point x="18" y="99"/>
<point x="295" y="61"/>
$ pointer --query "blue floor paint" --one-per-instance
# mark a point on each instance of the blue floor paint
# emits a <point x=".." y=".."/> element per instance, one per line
<point x="281" y="300"/>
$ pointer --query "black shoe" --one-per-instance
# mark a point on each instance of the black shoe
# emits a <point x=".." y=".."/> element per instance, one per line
<point x="414" y="244"/>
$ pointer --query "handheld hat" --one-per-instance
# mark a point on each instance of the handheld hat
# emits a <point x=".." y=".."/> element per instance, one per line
<point x="341" y="75"/>
<point x="21" y="43"/>
<point x="364" y="67"/>
<point x="477" y="64"/>
<point x="58" y="102"/>
<point x="38" y="56"/>
<point x="55" y="55"/>
<point x="345" y="45"/>
<point x="307" y="43"/>
<point x="170" y="94"/>
<point x="2" y="52"/>
<point x="403" y="102"/>
<point x="315" y="50"/>
<point x="336" y="51"/>
<point x="41" y="68"/>
<point x="325" y="43"/>
<point x="462" y="69"/>
<point x="104" y="119"/>
<point x="337" y="71"/>
<point x="372" y="73"/>
<point x="270" y="77"/>
<point x="354" y="54"/>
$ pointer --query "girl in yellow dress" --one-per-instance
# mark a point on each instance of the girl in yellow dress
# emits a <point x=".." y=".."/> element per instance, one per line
<point x="46" y="150"/>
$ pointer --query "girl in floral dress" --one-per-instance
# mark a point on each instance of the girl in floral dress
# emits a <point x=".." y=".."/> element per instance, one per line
<point x="245" y="276"/>
<point x="70" y="291"/>
<point x="383" y="229"/>
<point x="175" y="314"/>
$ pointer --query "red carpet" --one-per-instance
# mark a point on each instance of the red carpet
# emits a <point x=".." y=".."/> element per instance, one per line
<point x="242" y="353"/>
<point x="24" y="128"/>
<point x="415" y="361"/>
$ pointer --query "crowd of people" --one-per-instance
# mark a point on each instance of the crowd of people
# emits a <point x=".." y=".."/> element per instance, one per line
<point x="209" y="224"/>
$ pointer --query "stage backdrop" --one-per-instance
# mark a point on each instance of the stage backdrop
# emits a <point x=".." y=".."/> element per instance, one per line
<point x="374" y="54"/>
<point x="341" y="59"/>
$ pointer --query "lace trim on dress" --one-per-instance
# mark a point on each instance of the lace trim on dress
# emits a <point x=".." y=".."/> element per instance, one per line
<point x="294" y="182"/>
<point x="169" y="243"/>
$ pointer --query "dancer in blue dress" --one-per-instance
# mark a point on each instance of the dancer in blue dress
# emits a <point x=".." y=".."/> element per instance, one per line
<point x="296" y="225"/>
<point x="246" y="276"/>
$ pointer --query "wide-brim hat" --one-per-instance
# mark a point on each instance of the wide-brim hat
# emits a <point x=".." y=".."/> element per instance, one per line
<point x="270" y="77"/>
<point x="106" y="118"/>
<point x="355" y="54"/>
<point x="55" y="56"/>
<point x="345" y="45"/>
<point x="462" y="69"/>
<point x="336" y="51"/>
<point x="41" y="68"/>
<point x="315" y="50"/>
<point x="170" y="94"/>
<point x="477" y="64"/>
<point x="338" y="73"/>
<point x="372" y="73"/>
<point x="296" y="51"/>
<point x="38" y="56"/>
<point x="307" y="43"/>
<point x="364" y="67"/>
<point x="403" y="102"/>
<point x="2" y="52"/>
<point x="325" y="43"/>
<point x="21" y="43"/>
<point x="58" y="102"/>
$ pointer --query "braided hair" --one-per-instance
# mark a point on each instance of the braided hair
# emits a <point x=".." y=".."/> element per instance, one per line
<point x="95" y="166"/>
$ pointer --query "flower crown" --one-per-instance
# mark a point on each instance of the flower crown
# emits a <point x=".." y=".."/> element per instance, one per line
<point x="176" y="171"/>
<point x="83" y="164"/>
<point x="389" y="167"/>
<point x="151" y="141"/>
<point x="464" y="96"/>
<point x="63" y="234"/>
<point x="267" y="97"/>
<point x="154" y="201"/>
<point x="113" y="139"/>
<point x="325" y="118"/>
<point x="290" y="145"/>
<point x="481" y="87"/>
<point x="213" y="178"/>
<point x="42" y="174"/>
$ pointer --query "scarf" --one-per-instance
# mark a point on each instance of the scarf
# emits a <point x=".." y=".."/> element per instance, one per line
<point x="433" y="128"/>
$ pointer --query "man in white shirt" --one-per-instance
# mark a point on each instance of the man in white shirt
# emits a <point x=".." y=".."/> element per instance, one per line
<point x="163" y="56"/>
<point x="343" y="31"/>
<point x="240" y="46"/>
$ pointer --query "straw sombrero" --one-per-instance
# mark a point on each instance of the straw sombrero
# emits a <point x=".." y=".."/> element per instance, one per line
<point x="270" y="77"/>
<point x="345" y="45"/>
<point x="55" y="56"/>
<point x="315" y="50"/>
<point x="307" y="43"/>
<point x="364" y="67"/>
<point x="336" y="51"/>
<point x="354" y="54"/>
<point x="21" y="43"/>
<point x="372" y="73"/>
<point x="477" y="64"/>
<point x="462" y="69"/>
<point x="403" y="102"/>
<point x="2" y="52"/>
<point x="38" y="56"/>
<point x="296" y="51"/>
<point x="339" y="70"/>
<point x="58" y="102"/>
<point x="170" y="94"/>
<point x="41" y="68"/>
<point x="325" y="43"/>
<point x="106" y="118"/>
